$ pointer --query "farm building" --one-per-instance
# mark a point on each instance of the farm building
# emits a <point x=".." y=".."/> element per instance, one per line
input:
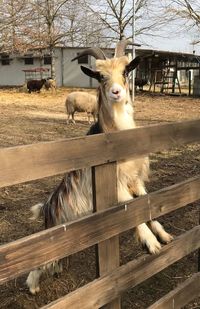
<point x="170" y="71"/>
<point x="167" y="70"/>
<point x="16" y="69"/>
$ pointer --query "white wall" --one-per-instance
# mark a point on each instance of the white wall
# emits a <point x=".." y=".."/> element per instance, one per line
<point x="68" y="73"/>
<point x="12" y="74"/>
<point x="72" y="74"/>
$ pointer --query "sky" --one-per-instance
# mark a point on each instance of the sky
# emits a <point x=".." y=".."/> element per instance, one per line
<point x="181" y="43"/>
<point x="177" y="35"/>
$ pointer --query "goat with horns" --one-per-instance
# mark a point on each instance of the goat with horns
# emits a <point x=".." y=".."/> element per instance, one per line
<point x="73" y="197"/>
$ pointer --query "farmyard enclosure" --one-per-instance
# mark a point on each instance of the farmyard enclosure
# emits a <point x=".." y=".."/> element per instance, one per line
<point x="27" y="119"/>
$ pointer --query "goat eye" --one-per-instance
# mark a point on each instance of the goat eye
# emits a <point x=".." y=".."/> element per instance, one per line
<point x="103" y="78"/>
<point x="125" y="74"/>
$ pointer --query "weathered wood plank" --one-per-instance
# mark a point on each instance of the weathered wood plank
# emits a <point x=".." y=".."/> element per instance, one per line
<point x="180" y="296"/>
<point x="26" y="163"/>
<point x="105" y="195"/>
<point x="108" y="287"/>
<point x="38" y="249"/>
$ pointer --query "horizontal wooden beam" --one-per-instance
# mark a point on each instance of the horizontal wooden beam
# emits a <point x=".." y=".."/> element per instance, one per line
<point x="103" y="290"/>
<point x="180" y="296"/>
<point x="20" y="256"/>
<point x="188" y="68"/>
<point x="26" y="163"/>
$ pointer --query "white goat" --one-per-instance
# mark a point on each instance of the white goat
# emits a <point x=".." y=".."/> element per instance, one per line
<point x="50" y="84"/>
<point x="73" y="197"/>
<point x="79" y="101"/>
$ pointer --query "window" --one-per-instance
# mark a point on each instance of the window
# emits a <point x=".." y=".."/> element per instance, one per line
<point x="83" y="59"/>
<point x="5" y="59"/>
<point x="47" y="59"/>
<point x="29" y="59"/>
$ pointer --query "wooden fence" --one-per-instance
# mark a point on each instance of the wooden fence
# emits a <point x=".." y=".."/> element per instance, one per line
<point x="26" y="163"/>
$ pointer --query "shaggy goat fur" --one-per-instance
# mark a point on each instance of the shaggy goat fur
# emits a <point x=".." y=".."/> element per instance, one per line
<point x="73" y="197"/>
<point x="50" y="84"/>
<point x="34" y="85"/>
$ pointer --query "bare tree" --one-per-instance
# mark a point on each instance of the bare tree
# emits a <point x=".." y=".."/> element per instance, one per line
<point x="185" y="11"/>
<point x="47" y="32"/>
<point x="84" y="27"/>
<point x="117" y="17"/>
<point x="61" y="23"/>
<point x="13" y="13"/>
<point x="46" y="24"/>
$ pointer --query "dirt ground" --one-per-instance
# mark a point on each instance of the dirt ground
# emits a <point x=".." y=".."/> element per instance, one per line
<point x="27" y="119"/>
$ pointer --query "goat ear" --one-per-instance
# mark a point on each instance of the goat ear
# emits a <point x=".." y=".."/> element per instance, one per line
<point x="133" y="64"/>
<point x="91" y="73"/>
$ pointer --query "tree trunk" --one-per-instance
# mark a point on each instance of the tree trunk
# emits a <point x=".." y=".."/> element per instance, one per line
<point x="53" y="62"/>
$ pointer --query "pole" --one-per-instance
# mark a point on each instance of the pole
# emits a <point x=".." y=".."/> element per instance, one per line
<point x="133" y="51"/>
<point x="190" y="81"/>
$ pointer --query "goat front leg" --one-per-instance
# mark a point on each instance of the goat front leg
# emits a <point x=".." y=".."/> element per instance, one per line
<point x="144" y="235"/>
<point x="158" y="230"/>
<point x="33" y="280"/>
<point x="142" y="232"/>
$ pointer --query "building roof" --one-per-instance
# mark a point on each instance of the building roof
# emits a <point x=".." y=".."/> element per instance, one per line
<point x="168" y="54"/>
<point x="163" y="55"/>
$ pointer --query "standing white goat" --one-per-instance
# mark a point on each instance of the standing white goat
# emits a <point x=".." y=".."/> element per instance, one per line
<point x="79" y="101"/>
<point x="73" y="197"/>
<point x="50" y="84"/>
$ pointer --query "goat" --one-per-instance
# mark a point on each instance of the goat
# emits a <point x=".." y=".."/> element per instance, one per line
<point x="73" y="197"/>
<point x="140" y="82"/>
<point x="35" y="85"/>
<point x="50" y="83"/>
<point x="81" y="102"/>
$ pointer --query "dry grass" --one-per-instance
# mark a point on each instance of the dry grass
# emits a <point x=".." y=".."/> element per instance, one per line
<point x="34" y="118"/>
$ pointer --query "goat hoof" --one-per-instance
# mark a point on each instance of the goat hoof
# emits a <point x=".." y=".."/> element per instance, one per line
<point x="35" y="290"/>
<point x="153" y="246"/>
<point x="166" y="238"/>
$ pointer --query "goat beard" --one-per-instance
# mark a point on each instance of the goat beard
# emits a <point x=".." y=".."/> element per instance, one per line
<point x="106" y="115"/>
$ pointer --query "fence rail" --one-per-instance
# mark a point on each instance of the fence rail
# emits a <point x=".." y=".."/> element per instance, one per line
<point x="24" y="254"/>
<point x="103" y="290"/>
<point x="25" y="163"/>
<point x="180" y="296"/>
<point x="30" y="162"/>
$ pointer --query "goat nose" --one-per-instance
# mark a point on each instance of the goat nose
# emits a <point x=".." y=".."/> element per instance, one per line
<point x="115" y="91"/>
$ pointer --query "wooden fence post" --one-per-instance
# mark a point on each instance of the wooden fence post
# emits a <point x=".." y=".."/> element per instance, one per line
<point x="104" y="180"/>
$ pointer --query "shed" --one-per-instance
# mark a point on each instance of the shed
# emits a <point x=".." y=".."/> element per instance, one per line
<point x="170" y="72"/>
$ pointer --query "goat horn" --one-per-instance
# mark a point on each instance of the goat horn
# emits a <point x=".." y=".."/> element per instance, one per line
<point x="95" y="52"/>
<point x="120" y="48"/>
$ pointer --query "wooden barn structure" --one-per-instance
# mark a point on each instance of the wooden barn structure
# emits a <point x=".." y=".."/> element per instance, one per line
<point x="30" y="162"/>
<point x="163" y="69"/>
<point x="169" y="72"/>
